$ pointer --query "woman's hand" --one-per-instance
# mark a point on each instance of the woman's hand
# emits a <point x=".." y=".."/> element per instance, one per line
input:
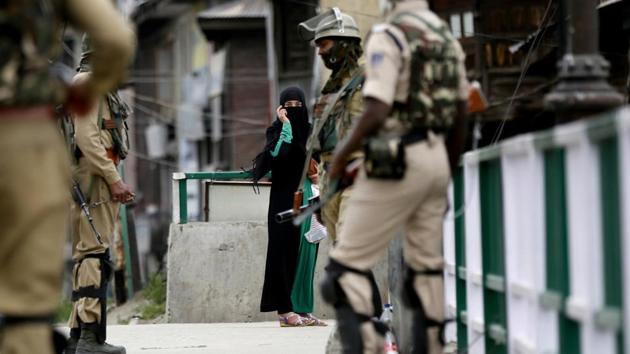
<point x="282" y="114"/>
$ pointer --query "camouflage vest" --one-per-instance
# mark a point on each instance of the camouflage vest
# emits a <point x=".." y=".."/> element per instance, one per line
<point x="434" y="77"/>
<point x="117" y="125"/>
<point x="29" y="38"/>
<point x="339" y="120"/>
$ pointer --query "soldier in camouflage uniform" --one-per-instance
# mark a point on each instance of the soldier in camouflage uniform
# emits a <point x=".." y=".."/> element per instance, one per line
<point x="34" y="171"/>
<point x="415" y="94"/>
<point x="338" y="40"/>
<point x="101" y="143"/>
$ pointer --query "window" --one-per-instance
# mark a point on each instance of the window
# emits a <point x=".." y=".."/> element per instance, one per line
<point x="469" y="24"/>
<point x="456" y="25"/>
<point x="462" y="24"/>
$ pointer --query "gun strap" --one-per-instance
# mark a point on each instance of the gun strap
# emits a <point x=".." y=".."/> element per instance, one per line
<point x="319" y="123"/>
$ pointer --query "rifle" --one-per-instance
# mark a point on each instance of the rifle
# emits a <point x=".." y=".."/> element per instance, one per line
<point x="78" y="197"/>
<point x="289" y="214"/>
<point x="314" y="204"/>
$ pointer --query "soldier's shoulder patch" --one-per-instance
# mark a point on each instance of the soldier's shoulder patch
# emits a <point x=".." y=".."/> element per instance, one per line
<point x="376" y="59"/>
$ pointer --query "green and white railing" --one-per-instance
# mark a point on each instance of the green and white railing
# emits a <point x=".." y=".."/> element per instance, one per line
<point x="537" y="243"/>
<point x="180" y="188"/>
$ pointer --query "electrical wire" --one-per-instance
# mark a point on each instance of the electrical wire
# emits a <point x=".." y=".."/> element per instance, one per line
<point x="525" y="67"/>
<point x="530" y="93"/>
<point x="144" y="157"/>
<point x="473" y="192"/>
<point x="236" y="132"/>
<point x="240" y="119"/>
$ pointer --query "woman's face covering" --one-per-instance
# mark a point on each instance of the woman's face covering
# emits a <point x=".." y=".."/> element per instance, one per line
<point x="294" y="108"/>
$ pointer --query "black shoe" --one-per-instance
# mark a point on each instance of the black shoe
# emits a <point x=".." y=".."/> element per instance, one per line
<point x="89" y="345"/>
<point x="71" y="348"/>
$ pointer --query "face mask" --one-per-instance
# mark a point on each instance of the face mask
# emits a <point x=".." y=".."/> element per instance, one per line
<point x="330" y="61"/>
<point x="334" y="58"/>
<point x="293" y="112"/>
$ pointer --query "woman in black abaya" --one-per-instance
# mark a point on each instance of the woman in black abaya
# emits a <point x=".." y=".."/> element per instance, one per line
<point x="284" y="155"/>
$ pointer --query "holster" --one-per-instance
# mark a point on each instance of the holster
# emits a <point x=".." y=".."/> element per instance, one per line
<point x="385" y="155"/>
<point x="385" y="158"/>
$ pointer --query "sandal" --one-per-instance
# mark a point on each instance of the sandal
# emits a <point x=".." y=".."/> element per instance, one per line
<point x="289" y="321"/>
<point x="316" y="321"/>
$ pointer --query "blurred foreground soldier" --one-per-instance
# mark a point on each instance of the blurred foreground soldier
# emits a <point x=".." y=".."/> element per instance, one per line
<point x="101" y="143"/>
<point x="34" y="178"/>
<point x="338" y="40"/>
<point x="415" y="95"/>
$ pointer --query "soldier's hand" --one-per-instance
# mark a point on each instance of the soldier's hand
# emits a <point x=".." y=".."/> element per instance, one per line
<point x="121" y="192"/>
<point x="282" y="114"/>
<point x="336" y="168"/>
<point x="318" y="216"/>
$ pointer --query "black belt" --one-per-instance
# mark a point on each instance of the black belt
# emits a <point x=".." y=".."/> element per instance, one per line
<point x="16" y="320"/>
<point x="418" y="134"/>
<point x="415" y="136"/>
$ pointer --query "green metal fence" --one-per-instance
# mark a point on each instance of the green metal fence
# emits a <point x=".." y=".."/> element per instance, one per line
<point x="541" y="245"/>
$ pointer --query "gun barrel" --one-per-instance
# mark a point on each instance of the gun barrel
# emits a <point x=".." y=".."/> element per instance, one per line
<point x="78" y="197"/>
<point x="284" y="216"/>
<point x="287" y="215"/>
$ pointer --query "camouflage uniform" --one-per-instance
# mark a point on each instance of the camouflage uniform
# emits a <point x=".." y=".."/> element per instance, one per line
<point x="348" y="105"/>
<point x="340" y="103"/>
<point x="404" y="71"/>
<point x="34" y="178"/>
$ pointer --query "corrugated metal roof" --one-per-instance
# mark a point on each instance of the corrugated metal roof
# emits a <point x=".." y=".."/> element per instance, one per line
<point x="237" y="9"/>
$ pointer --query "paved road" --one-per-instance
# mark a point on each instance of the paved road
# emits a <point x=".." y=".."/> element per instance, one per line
<point x="217" y="338"/>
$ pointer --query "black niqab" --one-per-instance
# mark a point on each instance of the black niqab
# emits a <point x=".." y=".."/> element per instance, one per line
<point x="300" y="128"/>
<point x="298" y="116"/>
<point x="286" y="171"/>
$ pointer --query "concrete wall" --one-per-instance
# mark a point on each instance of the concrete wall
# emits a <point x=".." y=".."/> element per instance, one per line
<point x="216" y="270"/>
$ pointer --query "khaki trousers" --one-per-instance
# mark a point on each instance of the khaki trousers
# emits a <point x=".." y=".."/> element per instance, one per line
<point x="333" y="212"/>
<point x="379" y="208"/>
<point x="87" y="272"/>
<point x="34" y="189"/>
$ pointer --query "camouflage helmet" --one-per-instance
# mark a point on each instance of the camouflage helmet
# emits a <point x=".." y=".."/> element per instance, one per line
<point x="332" y="23"/>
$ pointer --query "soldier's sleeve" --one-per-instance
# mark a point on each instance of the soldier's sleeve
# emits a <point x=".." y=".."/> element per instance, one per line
<point x="111" y="36"/>
<point x="383" y="65"/>
<point x="88" y="138"/>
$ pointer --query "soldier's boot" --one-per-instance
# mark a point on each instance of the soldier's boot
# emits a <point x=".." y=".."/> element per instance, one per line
<point x="71" y="346"/>
<point x="89" y="344"/>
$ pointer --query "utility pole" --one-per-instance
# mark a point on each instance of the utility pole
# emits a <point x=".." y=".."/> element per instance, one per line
<point x="583" y="88"/>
